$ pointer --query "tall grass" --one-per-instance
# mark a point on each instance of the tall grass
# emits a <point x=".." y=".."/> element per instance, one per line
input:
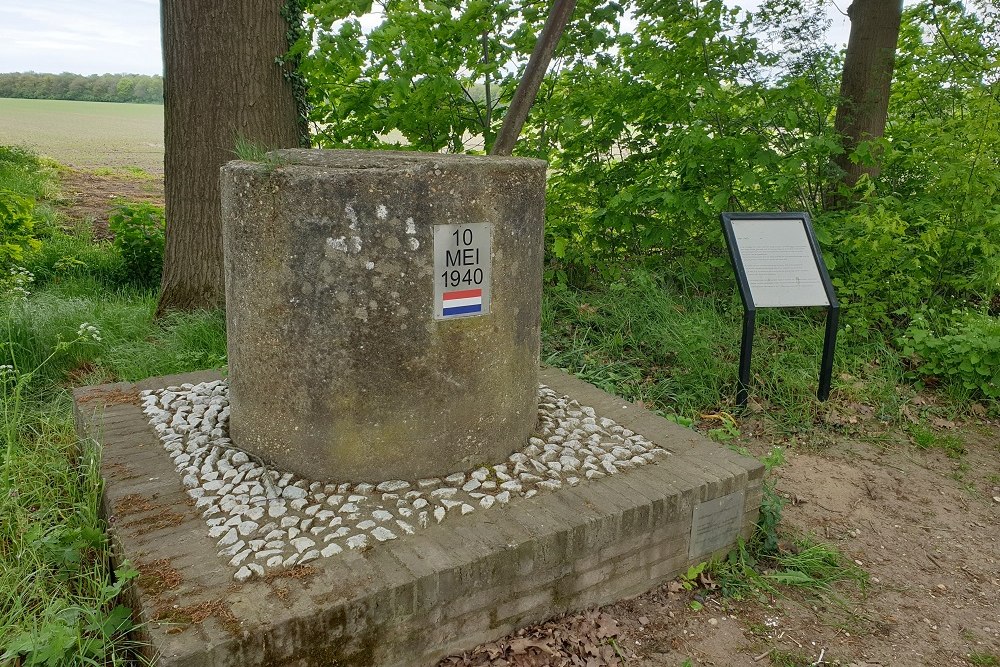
<point x="648" y="337"/>
<point x="57" y="590"/>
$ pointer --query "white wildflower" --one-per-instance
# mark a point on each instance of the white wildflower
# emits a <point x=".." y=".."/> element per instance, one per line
<point x="88" y="330"/>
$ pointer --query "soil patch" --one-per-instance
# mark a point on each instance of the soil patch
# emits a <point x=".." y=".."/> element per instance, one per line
<point x="925" y="527"/>
<point x="87" y="198"/>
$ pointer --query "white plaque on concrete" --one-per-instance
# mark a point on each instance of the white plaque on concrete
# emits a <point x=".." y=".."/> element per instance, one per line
<point x="715" y="524"/>
<point x="461" y="270"/>
<point x="779" y="263"/>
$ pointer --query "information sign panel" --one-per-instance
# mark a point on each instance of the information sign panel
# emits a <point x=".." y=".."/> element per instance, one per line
<point x="779" y="263"/>
<point x="461" y="270"/>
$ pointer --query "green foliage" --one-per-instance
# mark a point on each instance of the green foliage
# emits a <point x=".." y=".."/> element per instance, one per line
<point x="139" y="237"/>
<point x="430" y="75"/>
<point x="24" y="174"/>
<point x="139" y="88"/>
<point x="983" y="659"/>
<point x="927" y="229"/>
<point x="59" y="598"/>
<point x="651" y="132"/>
<point x="17" y="228"/>
<point x="54" y="550"/>
<point x="65" y="255"/>
<point x="966" y="358"/>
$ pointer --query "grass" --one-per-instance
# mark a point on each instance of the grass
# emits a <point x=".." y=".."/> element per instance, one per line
<point x="86" y="134"/>
<point x="56" y="587"/>
<point x="677" y="351"/>
<point x="58" y="594"/>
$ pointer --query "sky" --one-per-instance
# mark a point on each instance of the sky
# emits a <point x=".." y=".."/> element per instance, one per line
<point x="123" y="36"/>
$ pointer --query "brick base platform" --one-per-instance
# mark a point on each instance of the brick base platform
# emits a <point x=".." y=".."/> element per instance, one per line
<point x="416" y="599"/>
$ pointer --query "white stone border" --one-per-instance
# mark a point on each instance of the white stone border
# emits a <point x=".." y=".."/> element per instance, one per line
<point x="266" y="519"/>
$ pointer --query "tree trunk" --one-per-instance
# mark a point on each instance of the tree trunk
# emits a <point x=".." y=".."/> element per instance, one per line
<point x="220" y="83"/>
<point x="864" y="88"/>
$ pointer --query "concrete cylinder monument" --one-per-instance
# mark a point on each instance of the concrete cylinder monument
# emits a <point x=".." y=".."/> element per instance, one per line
<point x="383" y="310"/>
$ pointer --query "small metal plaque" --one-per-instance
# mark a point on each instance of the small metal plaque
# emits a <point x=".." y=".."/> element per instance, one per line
<point x="715" y="524"/>
<point x="461" y="270"/>
<point x="779" y="262"/>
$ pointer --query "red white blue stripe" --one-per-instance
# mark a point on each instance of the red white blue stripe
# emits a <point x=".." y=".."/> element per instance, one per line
<point x="462" y="302"/>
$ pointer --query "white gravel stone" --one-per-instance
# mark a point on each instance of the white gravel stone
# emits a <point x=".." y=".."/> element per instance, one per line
<point x="383" y="534"/>
<point x="293" y="493"/>
<point x="243" y="574"/>
<point x="248" y="528"/>
<point x="382" y="515"/>
<point x="331" y="549"/>
<point x="230" y="538"/>
<point x="240" y="557"/>
<point x="357" y="541"/>
<point x="394" y="485"/>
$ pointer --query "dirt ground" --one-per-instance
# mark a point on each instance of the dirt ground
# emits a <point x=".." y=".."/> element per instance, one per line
<point x="88" y="197"/>
<point x="923" y="526"/>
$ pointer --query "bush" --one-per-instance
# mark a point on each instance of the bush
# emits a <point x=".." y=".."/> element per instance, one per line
<point x="967" y="359"/>
<point x="17" y="228"/>
<point x="139" y="232"/>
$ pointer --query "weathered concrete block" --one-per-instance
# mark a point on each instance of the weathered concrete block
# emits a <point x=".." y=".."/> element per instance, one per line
<point x="345" y="360"/>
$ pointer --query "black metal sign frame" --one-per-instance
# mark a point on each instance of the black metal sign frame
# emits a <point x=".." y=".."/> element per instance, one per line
<point x="750" y="308"/>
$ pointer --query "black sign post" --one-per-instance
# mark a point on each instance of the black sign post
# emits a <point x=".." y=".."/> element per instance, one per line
<point x="778" y="264"/>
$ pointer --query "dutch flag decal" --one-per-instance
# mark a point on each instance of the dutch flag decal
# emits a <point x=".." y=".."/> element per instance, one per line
<point x="462" y="302"/>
